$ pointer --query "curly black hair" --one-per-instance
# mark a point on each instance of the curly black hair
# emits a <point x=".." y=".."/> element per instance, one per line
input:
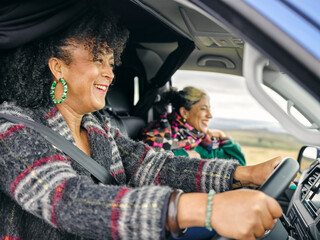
<point x="25" y="77"/>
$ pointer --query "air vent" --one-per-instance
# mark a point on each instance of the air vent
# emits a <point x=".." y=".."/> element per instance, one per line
<point x="304" y="190"/>
<point x="313" y="178"/>
<point x="309" y="182"/>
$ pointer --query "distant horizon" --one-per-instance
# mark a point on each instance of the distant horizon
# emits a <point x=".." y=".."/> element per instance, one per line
<point x="245" y="124"/>
<point x="229" y="96"/>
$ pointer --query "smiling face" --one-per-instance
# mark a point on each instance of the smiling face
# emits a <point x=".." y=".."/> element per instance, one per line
<point x="199" y="114"/>
<point x="88" y="78"/>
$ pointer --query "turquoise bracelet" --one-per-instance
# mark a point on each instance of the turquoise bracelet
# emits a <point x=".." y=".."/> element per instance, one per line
<point x="209" y="209"/>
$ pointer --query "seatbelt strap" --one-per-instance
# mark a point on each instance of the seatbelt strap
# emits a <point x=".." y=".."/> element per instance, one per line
<point x="98" y="171"/>
<point x="172" y="63"/>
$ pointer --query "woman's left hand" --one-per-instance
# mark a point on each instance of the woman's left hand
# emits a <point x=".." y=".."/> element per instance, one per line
<point x="215" y="133"/>
<point x="255" y="175"/>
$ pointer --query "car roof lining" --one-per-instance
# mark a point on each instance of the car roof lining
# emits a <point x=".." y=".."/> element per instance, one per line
<point x="143" y="27"/>
<point x="146" y="28"/>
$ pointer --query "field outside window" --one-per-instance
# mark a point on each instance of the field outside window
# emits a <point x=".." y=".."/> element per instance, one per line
<point x="238" y="114"/>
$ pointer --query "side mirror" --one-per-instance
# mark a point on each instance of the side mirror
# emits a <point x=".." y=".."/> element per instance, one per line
<point x="307" y="156"/>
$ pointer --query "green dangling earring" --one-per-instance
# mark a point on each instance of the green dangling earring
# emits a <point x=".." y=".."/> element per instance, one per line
<point x="65" y="90"/>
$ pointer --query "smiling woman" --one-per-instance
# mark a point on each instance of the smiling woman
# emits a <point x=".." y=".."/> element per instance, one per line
<point x="184" y="130"/>
<point x="87" y="75"/>
<point x="199" y="114"/>
<point x="60" y="81"/>
<point x="24" y="66"/>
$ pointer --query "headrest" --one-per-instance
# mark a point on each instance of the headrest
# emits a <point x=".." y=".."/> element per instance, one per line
<point x="24" y="21"/>
<point x="119" y="101"/>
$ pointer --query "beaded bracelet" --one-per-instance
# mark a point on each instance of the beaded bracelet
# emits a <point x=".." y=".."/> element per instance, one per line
<point x="209" y="210"/>
<point x="172" y="214"/>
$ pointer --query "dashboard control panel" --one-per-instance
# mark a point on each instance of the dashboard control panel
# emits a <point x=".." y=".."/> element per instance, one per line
<point x="304" y="210"/>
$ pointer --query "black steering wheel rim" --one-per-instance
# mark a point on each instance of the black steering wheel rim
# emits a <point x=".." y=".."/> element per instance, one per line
<point x="274" y="186"/>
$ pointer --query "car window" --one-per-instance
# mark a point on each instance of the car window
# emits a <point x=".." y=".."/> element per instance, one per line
<point x="294" y="100"/>
<point x="240" y="116"/>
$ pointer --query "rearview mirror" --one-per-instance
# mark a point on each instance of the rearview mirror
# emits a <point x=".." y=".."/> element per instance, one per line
<point x="308" y="155"/>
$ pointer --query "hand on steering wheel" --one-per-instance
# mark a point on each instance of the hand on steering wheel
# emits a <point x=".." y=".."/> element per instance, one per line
<point x="277" y="182"/>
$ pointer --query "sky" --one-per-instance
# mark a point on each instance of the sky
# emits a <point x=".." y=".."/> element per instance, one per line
<point x="229" y="97"/>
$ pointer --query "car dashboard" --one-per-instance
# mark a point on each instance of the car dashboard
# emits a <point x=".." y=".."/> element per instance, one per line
<point x="304" y="209"/>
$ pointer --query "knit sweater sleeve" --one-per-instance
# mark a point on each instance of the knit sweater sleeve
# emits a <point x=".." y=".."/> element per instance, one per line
<point x="43" y="182"/>
<point x="144" y="166"/>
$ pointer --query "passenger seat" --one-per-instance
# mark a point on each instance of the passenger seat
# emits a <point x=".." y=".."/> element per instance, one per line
<point x="118" y="107"/>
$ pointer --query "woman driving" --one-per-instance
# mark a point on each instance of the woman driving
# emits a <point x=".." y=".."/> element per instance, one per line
<point x="60" y="80"/>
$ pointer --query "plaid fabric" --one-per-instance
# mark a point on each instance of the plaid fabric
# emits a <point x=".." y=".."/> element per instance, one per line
<point x="44" y="194"/>
<point x="172" y="133"/>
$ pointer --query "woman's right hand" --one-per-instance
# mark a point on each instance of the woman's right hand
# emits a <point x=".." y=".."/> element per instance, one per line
<point x="244" y="214"/>
<point x="240" y="214"/>
<point x="215" y="133"/>
<point x="193" y="154"/>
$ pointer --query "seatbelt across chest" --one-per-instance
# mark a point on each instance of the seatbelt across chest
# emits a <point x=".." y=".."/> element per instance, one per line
<point x="98" y="171"/>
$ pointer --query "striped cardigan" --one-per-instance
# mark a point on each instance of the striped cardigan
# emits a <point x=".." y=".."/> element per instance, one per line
<point x="44" y="194"/>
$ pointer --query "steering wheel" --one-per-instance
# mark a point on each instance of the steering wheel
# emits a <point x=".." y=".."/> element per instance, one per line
<point x="274" y="186"/>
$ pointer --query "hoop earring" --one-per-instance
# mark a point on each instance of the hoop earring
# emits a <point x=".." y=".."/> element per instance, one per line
<point x="53" y="88"/>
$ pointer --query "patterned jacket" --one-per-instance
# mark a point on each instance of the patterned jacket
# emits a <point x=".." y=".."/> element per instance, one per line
<point x="170" y="132"/>
<point x="44" y="194"/>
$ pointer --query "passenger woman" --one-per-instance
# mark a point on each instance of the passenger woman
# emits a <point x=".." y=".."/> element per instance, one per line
<point x="184" y="128"/>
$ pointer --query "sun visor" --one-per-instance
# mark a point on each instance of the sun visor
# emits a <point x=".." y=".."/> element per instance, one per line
<point x="25" y="21"/>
